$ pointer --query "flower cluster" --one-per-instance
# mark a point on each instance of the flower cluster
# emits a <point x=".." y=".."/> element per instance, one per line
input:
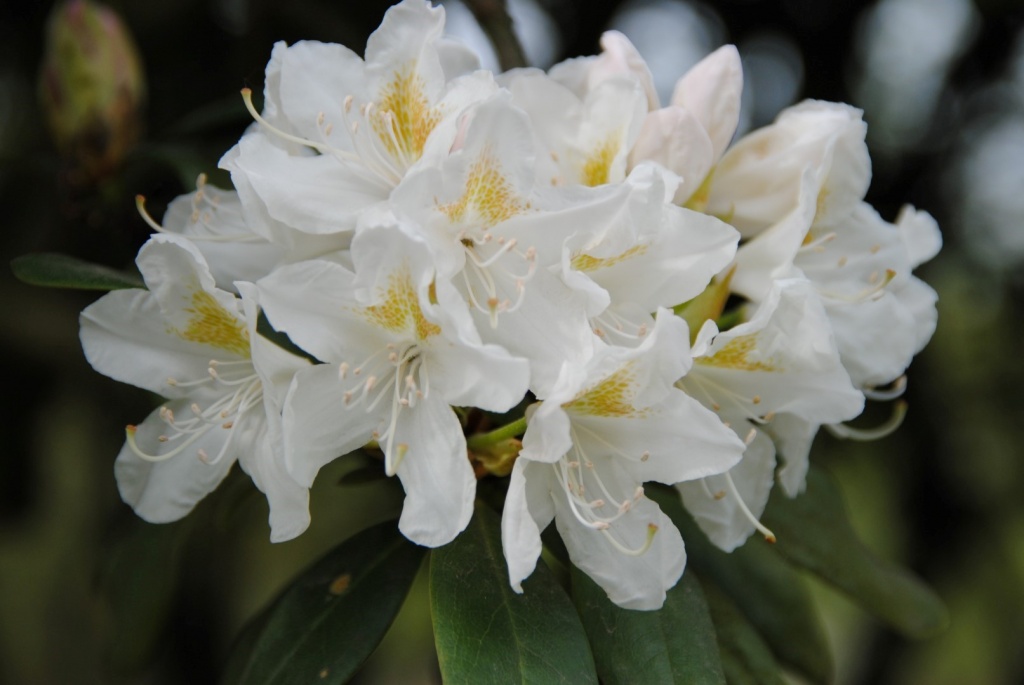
<point x="442" y="242"/>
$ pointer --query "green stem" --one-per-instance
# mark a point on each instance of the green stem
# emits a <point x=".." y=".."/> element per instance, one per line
<point x="509" y="430"/>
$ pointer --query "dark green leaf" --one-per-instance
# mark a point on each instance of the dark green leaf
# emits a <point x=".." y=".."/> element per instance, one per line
<point x="771" y="594"/>
<point x="746" y="658"/>
<point x="242" y="649"/>
<point x="814" y="532"/>
<point x="139" y="581"/>
<point x="486" y="633"/>
<point x="335" y="614"/>
<point x="675" y="644"/>
<point x="62" y="271"/>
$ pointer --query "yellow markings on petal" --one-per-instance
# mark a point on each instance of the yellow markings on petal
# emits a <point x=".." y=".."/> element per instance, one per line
<point x="489" y="198"/>
<point x="211" y="324"/>
<point x="400" y="309"/>
<point x="406" y="111"/>
<point x="612" y="397"/>
<point x="737" y="355"/>
<point x="597" y="167"/>
<point x="585" y="262"/>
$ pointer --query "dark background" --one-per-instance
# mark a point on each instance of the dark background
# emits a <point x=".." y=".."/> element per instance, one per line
<point x="942" y="85"/>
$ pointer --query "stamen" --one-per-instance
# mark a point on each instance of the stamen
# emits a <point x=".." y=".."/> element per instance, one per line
<point x="768" y="535"/>
<point x="899" y="412"/>
<point x="320" y="147"/>
<point x="140" y="205"/>
<point x="895" y="390"/>
<point x="652" y="530"/>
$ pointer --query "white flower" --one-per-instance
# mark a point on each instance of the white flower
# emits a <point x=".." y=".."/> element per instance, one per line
<point x="495" y="229"/>
<point x="196" y="344"/>
<point x="400" y="350"/>
<point x="604" y="430"/>
<point x="648" y="254"/>
<point x="215" y="222"/>
<point x="782" y="364"/>
<point x="371" y="121"/>
<point x="861" y="268"/>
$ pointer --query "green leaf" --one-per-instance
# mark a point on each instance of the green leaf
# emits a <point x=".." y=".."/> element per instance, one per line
<point x="746" y="658"/>
<point x="242" y="649"/>
<point x="139" y="581"/>
<point x="62" y="271"/>
<point x="334" y="615"/>
<point x="675" y="644"/>
<point x="814" y="533"/>
<point x="771" y="594"/>
<point x="485" y="632"/>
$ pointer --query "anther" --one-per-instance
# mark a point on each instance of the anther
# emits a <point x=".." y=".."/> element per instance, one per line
<point x="750" y="437"/>
<point x="195" y="408"/>
<point x="756" y="399"/>
<point x="203" y="456"/>
<point x="342" y="370"/>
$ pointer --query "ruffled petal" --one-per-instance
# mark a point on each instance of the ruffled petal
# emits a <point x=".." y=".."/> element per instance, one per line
<point x="435" y="472"/>
<point x="528" y="511"/>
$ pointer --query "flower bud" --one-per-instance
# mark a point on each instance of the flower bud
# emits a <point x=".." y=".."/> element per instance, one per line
<point x="91" y="86"/>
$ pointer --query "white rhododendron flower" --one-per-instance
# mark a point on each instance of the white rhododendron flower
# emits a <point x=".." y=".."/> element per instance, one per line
<point x="401" y="350"/>
<point x="371" y="120"/>
<point x="604" y="430"/>
<point x="462" y="259"/>
<point x="782" y="362"/>
<point x="189" y="341"/>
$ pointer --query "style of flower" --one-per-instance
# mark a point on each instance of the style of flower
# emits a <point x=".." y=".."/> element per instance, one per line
<point x="605" y="429"/>
<point x="400" y="351"/>
<point x="196" y="344"/>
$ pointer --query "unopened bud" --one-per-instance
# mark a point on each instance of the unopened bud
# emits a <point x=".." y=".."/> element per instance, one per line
<point x="91" y="86"/>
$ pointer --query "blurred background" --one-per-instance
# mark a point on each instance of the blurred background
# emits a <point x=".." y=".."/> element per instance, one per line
<point x="89" y="594"/>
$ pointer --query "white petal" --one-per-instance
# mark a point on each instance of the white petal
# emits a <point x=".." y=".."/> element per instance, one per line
<point x="920" y="234"/>
<point x="313" y="302"/>
<point x="722" y="519"/>
<point x="711" y="92"/>
<point x="435" y="472"/>
<point x="165" y="491"/>
<point x="314" y="194"/>
<point x="407" y="37"/>
<point x="632" y="582"/>
<point x="673" y="441"/>
<point x="548" y="434"/>
<point x="793" y="437"/>
<point x="456" y="59"/>
<point x="124" y="336"/>
<point x="317" y="426"/>
<point x="483" y="376"/>
<point x="674" y="138"/>
<point x="289" y="501"/>
<point x="528" y="511"/>
<point x="315" y="79"/>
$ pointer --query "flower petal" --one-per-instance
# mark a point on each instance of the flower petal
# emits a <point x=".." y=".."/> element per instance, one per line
<point x="435" y="472"/>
